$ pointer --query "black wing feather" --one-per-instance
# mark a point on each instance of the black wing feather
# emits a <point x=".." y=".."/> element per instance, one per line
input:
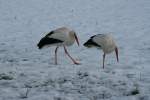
<point x="95" y="35"/>
<point x="47" y="41"/>
<point x="50" y="33"/>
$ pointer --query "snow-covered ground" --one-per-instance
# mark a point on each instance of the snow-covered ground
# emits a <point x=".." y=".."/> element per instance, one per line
<point x="29" y="73"/>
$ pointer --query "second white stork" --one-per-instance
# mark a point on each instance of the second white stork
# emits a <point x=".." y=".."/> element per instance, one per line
<point x="104" y="42"/>
<point x="60" y="37"/>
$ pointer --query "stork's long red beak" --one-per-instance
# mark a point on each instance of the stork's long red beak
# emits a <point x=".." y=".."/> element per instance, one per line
<point x="76" y="39"/>
<point x="116" y="50"/>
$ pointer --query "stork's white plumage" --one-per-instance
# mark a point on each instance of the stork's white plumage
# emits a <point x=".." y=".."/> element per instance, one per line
<point x="59" y="37"/>
<point x="104" y="42"/>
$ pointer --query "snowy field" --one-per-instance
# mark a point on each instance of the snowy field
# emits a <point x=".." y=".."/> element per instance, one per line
<point x="30" y="74"/>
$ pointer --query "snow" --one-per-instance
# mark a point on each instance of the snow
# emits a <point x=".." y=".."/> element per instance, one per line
<point x="29" y="73"/>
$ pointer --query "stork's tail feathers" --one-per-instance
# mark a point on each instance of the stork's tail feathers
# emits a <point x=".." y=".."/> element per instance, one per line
<point x="91" y="43"/>
<point x="42" y="42"/>
<point x="40" y="45"/>
<point x="47" y="41"/>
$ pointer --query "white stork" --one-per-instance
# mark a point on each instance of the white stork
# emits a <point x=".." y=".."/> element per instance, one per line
<point x="59" y="37"/>
<point x="104" y="42"/>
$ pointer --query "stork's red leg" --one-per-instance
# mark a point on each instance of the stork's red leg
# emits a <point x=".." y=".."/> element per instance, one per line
<point x="70" y="56"/>
<point x="56" y="55"/>
<point x="103" y="60"/>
